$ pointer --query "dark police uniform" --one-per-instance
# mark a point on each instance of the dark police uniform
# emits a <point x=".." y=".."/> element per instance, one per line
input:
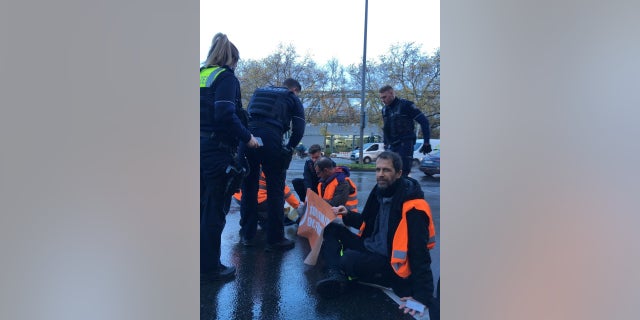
<point x="222" y="127"/>
<point x="399" y="129"/>
<point x="272" y="112"/>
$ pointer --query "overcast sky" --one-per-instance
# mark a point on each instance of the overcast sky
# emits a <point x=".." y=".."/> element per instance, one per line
<point x="324" y="29"/>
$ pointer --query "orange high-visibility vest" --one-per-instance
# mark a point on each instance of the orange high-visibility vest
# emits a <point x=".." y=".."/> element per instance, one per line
<point x="262" y="193"/>
<point x="352" y="199"/>
<point x="399" y="260"/>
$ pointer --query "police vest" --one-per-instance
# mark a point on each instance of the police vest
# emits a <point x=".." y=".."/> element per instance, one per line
<point x="399" y="261"/>
<point x="208" y="76"/>
<point x="330" y="189"/>
<point x="271" y="105"/>
<point x="399" y="122"/>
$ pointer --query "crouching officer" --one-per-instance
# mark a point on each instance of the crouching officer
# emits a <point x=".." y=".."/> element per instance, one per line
<point x="223" y="125"/>
<point x="273" y="111"/>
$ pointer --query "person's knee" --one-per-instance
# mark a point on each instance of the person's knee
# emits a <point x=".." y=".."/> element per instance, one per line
<point x="349" y="262"/>
<point x="331" y="231"/>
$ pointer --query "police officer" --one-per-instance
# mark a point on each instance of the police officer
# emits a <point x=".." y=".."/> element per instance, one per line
<point x="273" y="111"/>
<point x="398" y="116"/>
<point x="223" y="125"/>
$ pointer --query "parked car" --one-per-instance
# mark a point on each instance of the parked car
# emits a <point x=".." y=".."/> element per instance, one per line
<point x="417" y="155"/>
<point x="430" y="164"/>
<point x="370" y="152"/>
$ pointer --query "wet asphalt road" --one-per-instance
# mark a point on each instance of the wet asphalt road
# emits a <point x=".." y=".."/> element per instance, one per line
<point x="280" y="286"/>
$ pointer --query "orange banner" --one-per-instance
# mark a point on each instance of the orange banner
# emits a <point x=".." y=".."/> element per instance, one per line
<point x="317" y="215"/>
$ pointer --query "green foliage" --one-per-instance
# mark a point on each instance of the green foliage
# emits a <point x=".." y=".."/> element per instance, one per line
<point x="361" y="166"/>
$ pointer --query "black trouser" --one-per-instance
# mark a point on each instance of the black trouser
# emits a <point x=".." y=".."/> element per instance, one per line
<point x="404" y="148"/>
<point x="273" y="165"/>
<point x="213" y="180"/>
<point x="358" y="262"/>
<point x="298" y="186"/>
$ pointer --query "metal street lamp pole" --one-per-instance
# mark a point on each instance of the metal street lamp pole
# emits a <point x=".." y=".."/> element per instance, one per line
<point x="364" y="68"/>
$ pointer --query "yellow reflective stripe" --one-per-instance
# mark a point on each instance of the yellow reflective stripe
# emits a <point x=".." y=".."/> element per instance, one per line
<point x="208" y="75"/>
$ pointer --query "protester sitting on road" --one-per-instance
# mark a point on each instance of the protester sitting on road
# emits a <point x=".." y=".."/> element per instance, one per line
<point x="393" y="250"/>
<point x="310" y="178"/>
<point x="262" y="201"/>
<point x="335" y="186"/>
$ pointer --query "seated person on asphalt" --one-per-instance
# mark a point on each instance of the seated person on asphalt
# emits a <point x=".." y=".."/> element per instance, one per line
<point x="310" y="178"/>
<point x="335" y="186"/>
<point x="393" y="248"/>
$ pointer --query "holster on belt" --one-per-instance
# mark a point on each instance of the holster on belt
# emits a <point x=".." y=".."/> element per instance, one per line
<point x="235" y="175"/>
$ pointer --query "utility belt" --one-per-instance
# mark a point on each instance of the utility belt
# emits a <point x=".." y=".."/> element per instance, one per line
<point x="217" y="144"/>
<point x="400" y="140"/>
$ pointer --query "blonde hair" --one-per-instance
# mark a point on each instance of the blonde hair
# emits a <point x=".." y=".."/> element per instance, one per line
<point x="222" y="52"/>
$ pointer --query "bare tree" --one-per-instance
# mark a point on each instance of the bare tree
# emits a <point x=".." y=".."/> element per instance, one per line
<point x="274" y="69"/>
<point x="331" y="93"/>
<point x="415" y="77"/>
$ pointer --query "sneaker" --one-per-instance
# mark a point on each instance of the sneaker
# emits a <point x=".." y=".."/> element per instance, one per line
<point x="282" y="245"/>
<point x="333" y="285"/>
<point x="223" y="273"/>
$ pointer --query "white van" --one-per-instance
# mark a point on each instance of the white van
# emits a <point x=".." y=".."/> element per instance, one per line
<point x="370" y="152"/>
<point x="417" y="155"/>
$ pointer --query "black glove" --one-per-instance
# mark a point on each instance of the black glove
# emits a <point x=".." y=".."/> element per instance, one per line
<point x="426" y="148"/>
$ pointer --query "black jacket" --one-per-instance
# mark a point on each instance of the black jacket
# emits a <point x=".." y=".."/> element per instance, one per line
<point x="419" y="284"/>
<point x="310" y="177"/>
<point x="398" y="122"/>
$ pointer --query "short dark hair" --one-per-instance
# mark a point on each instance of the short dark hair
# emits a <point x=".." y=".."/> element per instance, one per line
<point x="291" y="83"/>
<point x="394" y="157"/>
<point x="314" y="148"/>
<point x="385" y="88"/>
<point x="324" y="163"/>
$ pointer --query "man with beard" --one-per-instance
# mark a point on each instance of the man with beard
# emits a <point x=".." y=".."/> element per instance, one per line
<point x="393" y="249"/>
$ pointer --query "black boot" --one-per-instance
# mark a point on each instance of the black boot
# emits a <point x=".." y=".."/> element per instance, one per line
<point x="282" y="245"/>
<point x="333" y="285"/>
<point x="223" y="273"/>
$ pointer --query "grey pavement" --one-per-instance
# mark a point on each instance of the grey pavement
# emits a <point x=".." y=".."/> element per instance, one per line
<point x="280" y="286"/>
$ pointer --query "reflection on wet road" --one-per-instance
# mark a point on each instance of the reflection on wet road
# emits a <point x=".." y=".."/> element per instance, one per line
<point x="280" y="286"/>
